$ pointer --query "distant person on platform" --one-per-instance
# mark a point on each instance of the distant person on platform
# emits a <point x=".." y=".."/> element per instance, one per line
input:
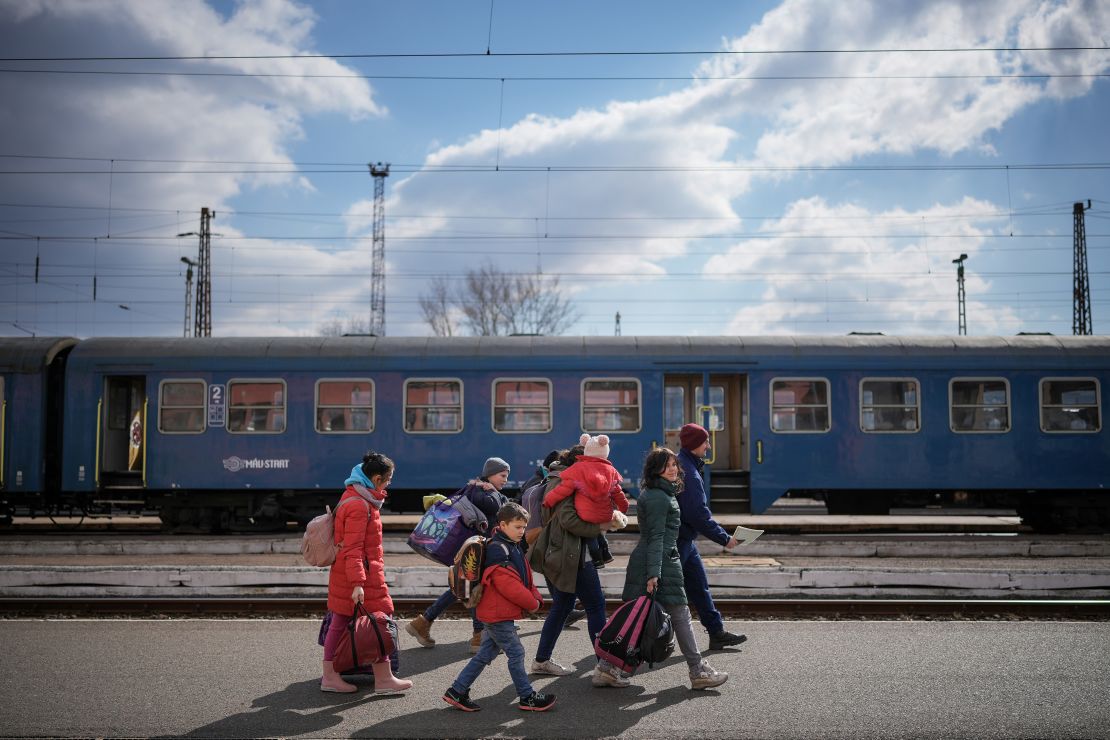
<point x="697" y="519"/>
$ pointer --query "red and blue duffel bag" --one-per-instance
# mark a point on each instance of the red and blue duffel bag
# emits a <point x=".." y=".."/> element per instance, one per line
<point x="369" y="638"/>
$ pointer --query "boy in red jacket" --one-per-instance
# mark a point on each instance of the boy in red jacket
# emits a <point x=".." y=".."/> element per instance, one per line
<point x="507" y="593"/>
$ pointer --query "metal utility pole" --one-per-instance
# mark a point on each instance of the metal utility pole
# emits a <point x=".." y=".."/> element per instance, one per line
<point x="377" y="266"/>
<point x="203" y="325"/>
<point x="188" y="291"/>
<point x="961" y="295"/>
<point x="1081" y="290"/>
<point x="617" y="328"/>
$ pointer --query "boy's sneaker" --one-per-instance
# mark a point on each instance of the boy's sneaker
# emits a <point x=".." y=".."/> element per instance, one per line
<point x="610" y="676"/>
<point x="550" y="668"/>
<point x="705" y="676"/>
<point x="724" y="639"/>
<point x="537" y="702"/>
<point x="460" y="700"/>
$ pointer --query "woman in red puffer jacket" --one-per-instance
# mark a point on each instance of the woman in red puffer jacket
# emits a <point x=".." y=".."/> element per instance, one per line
<point x="358" y="573"/>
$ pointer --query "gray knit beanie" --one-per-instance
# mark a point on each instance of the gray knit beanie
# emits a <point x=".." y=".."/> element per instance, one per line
<point x="494" y="466"/>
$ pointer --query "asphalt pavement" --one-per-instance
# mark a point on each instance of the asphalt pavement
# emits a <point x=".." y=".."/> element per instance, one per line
<point x="253" y="678"/>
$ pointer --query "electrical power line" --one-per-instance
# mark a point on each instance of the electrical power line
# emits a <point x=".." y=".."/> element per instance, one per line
<point x="559" y="78"/>
<point x="292" y="169"/>
<point x="591" y="53"/>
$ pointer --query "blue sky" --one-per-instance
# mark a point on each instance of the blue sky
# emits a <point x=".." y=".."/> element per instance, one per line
<point x="773" y="202"/>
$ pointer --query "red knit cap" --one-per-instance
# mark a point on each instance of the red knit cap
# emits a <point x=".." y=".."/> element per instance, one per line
<point x="692" y="435"/>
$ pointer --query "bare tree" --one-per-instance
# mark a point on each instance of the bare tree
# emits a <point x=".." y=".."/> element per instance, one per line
<point x="337" y="327"/>
<point x="437" y="309"/>
<point x="490" y="302"/>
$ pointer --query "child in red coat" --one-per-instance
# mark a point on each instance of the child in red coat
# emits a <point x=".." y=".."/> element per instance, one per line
<point x="598" y="496"/>
<point x="358" y="573"/>
<point x="507" y="593"/>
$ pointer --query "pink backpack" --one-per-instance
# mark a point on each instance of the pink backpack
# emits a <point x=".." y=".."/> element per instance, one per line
<point x="318" y="546"/>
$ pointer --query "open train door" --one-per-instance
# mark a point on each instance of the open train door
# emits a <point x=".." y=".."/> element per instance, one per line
<point x="723" y="411"/>
<point x="123" y="428"/>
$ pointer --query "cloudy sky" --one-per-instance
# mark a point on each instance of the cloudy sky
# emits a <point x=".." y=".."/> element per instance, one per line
<point x="803" y="167"/>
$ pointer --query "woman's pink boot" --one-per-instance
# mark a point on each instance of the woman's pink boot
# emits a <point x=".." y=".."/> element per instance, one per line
<point x="332" y="682"/>
<point x="385" y="682"/>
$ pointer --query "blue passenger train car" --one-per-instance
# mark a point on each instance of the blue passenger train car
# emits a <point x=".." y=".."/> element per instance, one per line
<point x="30" y="412"/>
<point x="218" y="432"/>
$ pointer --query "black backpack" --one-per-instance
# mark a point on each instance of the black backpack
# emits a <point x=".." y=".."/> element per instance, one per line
<point x="657" y="637"/>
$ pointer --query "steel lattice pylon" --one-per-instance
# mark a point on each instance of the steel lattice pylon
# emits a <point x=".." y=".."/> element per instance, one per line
<point x="377" y="264"/>
<point x="1081" y="291"/>
<point x="203" y="322"/>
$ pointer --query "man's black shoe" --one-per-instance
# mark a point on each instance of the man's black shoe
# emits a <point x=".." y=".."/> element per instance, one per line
<point x="574" y="616"/>
<point x="724" y="639"/>
<point x="460" y="700"/>
<point x="537" y="702"/>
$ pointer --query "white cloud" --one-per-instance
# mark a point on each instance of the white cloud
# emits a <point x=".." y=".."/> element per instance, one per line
<point x="571" y="223"/>
<point x="183" y="123"/>
<point x="799" y="123"/>
<point x="826" y="268"/>
<point x="192" y="28"/>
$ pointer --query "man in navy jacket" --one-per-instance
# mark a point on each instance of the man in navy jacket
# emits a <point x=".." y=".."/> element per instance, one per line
<point x="697" y="519"/>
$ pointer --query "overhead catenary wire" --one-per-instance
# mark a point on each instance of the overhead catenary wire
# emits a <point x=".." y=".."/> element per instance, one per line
<point x="565" y="53"/>
<point x="293" y="169"/>
<point x="1037" y="210"/>
<point x="566" y="78"/>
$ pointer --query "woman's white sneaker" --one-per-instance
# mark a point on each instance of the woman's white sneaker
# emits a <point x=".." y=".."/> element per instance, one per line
<point x="610" y="676"/>
<point x="705" y="676"/>
<point x="550" y="668"/>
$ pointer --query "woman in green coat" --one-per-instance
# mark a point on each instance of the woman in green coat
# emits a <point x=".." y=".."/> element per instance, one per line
<point x="654" y="565"/>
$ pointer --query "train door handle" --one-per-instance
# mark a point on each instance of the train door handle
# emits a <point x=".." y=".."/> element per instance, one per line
<point x="759" y="451"/>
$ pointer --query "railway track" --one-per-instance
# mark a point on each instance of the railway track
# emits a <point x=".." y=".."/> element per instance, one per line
<point x="269" y="608"/>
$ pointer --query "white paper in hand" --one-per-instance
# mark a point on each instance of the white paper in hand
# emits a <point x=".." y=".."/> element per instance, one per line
<point x="743" y="535"/>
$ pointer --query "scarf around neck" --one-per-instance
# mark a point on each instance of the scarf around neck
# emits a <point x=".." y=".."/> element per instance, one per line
<point x="364" y="487"/>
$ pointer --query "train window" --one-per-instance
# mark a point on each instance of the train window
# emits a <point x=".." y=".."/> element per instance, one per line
<point x="256" y="406"/>
<point x="181" y="406"/>
<point x="979" y="405"/>
<point x="1070" y="405"/>
<point x="344" y="406"/>
<point x="611" y="405"/>
<point x="521" y="405"/>
<point x="433" y="405"/>
<point x="717" y="401"/>
<point x="800" y="405"/>
<point x="674" y="407"/>
<point x="889" y="405"/>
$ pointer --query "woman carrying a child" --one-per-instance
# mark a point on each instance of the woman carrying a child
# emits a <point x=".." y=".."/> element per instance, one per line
<point x="485" y="494"/>
<point x="562" y="554"/>
<point x="599" y="497"/>
<point x="655" y="567"/>
<point x="358" y="573"/>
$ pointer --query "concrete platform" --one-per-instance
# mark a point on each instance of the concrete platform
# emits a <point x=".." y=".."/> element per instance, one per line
<point x="916" y="545"/>
<point x="410" y="576"/>
<point x="785" y="522"/>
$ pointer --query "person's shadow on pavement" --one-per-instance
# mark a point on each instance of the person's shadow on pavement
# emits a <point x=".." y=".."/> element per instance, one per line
<point x="298" y="709"/>
<point x="580" y="711"/>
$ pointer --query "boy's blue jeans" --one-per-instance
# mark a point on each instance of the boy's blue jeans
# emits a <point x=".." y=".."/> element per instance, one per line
<point x="497" y="637"/>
